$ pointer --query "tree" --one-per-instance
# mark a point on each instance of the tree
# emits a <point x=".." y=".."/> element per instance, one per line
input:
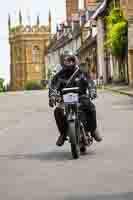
<point x="117" y="37"/>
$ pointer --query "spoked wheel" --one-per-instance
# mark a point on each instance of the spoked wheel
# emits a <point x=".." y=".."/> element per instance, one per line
<point x="86" y="142"/>
<point x="73" y="140"/>
<point x="90" y="140"/>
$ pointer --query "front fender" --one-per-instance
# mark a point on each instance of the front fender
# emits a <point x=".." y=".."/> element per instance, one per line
<point x="71" y="117"/>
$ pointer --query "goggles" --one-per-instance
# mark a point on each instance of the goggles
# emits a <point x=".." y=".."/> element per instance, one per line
<point x="70" y="59"/>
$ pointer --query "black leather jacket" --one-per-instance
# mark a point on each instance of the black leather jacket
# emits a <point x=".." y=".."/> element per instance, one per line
<point x="80" y="80"/>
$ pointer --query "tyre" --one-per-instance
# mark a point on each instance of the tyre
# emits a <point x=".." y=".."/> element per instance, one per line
<point x="73" y="140"/>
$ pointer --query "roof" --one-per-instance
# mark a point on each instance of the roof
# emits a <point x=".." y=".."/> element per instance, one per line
<point x="100" y="9"/>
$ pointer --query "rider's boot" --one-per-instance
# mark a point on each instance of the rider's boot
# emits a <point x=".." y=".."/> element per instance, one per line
<point x="61" y="124"/>
<point x="61" y="139"/>
<point x="96" y="135"/>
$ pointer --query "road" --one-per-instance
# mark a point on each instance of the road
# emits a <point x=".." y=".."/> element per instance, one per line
<point x="33" y="168"/>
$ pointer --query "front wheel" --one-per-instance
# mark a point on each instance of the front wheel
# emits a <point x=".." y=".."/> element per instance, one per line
<point x="74" y="140"/>
<point x="75" y="151"/>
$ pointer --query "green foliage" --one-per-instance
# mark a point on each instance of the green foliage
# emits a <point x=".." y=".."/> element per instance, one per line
<point x="2" y="87"/>
<point x="115" y="16"/>
<point x="33" y="85"/>
<point x="117" y="29"/>
<point x="49" y="73"/>
<point x="117" y="39"/>
<point x="13" y="29"/>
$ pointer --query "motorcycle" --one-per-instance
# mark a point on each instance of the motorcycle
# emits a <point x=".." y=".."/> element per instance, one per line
<point x="78" y="137"/>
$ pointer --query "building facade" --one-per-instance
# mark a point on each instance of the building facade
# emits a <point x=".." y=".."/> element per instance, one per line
<point x="72" y="7"/>
<point x="58" y="47"/>
<point x="129" y="5"/>
<point x="27" y="47"/>
<point x="90" y="4"/>
<point x="124" y="6"/>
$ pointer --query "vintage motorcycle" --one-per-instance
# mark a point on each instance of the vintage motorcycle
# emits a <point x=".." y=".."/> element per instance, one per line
<point x="78" y="137"/>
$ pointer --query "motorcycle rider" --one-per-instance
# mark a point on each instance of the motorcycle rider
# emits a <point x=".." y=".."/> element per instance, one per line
<point x="70" y="70"/>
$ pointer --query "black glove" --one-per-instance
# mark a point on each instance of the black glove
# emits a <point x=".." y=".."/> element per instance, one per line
<point x="52" y="101"/>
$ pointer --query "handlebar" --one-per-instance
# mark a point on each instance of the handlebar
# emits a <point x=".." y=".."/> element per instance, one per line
<point x="58" y="96"/>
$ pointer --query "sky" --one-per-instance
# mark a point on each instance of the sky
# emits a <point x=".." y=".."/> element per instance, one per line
<point x="29" y="8"/>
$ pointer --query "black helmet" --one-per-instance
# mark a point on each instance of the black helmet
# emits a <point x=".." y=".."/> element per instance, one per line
<point x="68" y="60"/>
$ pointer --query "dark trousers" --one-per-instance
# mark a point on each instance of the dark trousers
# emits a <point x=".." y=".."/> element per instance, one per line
<point x="88" y="117"/>
<point x="61" y="121"/>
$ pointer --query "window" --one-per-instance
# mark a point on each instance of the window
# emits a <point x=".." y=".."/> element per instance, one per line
<point x="36" y="55"/>
<point x="19" y="72"/>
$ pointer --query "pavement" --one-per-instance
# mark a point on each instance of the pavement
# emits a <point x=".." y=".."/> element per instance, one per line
<point x="121" y="89"/>
<point x="32" y="167"/>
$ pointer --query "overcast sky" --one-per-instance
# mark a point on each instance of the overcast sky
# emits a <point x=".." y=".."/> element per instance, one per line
<point x="28" y="8"/>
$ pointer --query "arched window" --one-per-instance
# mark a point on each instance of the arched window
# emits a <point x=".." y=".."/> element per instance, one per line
<point x="36" y="54"/>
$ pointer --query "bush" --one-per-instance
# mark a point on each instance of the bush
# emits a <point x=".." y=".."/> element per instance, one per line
<point x="2" y="87"/>
<point x="33" y="85"/>
<point x="117" y="39"/>
<point x="44" y="83"/>
<point x="117" y="35"/>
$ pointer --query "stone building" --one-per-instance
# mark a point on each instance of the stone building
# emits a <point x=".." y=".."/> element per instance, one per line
<point x="91" y="4"/>
<point x="70" y="41"/>
<point x="98" y="16"/>
<point x="88" y="55"/>
<point x="84" y="42"/>
<point x="27" y="47"/>
<point x="72" y="7"/>
<point x="124" y="6"/>
<point x="107" y="65"/>
<point x="129" y="6"/>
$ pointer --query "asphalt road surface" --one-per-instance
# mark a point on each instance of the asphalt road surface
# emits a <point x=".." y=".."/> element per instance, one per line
<point x="33" y="168"/>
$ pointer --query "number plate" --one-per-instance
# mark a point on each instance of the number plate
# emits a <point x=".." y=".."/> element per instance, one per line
<point x="71" y="98"/>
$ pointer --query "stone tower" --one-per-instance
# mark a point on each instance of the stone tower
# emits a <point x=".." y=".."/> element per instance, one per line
<point x="27" y="49"/>
<point x="72" y="7"/>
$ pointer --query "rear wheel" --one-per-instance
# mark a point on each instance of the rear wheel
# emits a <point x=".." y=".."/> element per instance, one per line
<point x="74" y="140"/>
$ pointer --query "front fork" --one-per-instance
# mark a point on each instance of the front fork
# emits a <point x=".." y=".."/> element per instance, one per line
<point x="85" y="137"/>
<point x="71" y="112"/>
<point x="73" y="115"/>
